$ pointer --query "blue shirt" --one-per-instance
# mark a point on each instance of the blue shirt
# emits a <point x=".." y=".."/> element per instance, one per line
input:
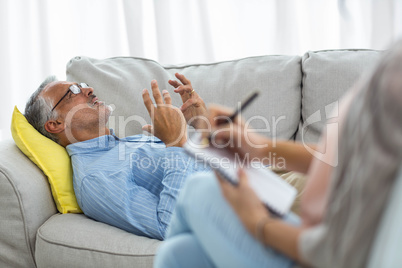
<point x="131" y="183"/>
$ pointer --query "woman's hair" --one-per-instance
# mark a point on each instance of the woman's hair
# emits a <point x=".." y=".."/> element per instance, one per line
<point x="370" y="154"/>
<point x="38" y="110"/>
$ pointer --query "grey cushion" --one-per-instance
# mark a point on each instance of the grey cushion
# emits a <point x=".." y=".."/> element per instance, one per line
<point x="73" y="240"/>
<point x="120" y="80"/>
<point x="327" y="75"/>
<point x="26" y="203"/>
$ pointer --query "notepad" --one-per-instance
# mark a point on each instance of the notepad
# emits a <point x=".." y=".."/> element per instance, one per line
<point x="272" y="190"/>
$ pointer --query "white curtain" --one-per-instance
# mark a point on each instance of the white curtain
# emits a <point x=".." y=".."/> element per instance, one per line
<point x="38" y="37"/>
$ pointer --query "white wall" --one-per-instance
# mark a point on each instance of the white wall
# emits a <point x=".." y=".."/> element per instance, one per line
<point x="38" y="37"/>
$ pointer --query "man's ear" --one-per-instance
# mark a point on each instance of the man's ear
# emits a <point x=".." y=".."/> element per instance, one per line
<point x="54" y="126"/>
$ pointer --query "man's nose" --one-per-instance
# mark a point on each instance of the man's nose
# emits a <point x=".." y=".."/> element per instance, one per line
<point x="87" y="91"/>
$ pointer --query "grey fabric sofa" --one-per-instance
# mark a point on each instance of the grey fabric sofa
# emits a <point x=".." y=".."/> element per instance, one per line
<point x="297" y="93"/>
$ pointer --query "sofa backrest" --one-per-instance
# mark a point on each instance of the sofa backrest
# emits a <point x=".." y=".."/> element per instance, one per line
<point x="120" y="81"/>
<point x="327" y="75"/>
<point x="292" y="88"/>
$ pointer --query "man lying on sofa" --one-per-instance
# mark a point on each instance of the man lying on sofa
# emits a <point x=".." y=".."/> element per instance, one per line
<point x="131" y="183"/>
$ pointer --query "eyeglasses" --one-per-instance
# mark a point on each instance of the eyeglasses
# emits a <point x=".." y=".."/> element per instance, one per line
<point x="75" y="89"/>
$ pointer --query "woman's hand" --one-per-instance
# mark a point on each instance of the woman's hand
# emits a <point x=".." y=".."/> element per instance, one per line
<point x="244" y="202"/>
<point x="193" y="107"/>
<point x="236" y="136"/>
<point x="168" y="121"/>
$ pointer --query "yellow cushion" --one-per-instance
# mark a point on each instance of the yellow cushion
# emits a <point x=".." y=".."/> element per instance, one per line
<point x="51" y="158"/>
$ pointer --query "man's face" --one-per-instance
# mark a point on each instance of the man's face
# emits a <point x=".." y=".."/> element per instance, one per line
<point x="80" y="112"/>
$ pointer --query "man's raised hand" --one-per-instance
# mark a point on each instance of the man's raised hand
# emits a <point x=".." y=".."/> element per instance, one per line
<point x="193" y="108"/>
<point x="168" y="122"/>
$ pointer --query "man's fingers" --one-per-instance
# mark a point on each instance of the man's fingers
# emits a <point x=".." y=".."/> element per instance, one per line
<point x="183" y="79"/>
<point x="166" y="97"/>
<point x="174" y="83"/>
<point x="156" y="93"/>
<point x="183" y="89"/>
<point x="147" y="101"/>
<point x="148" y="128"/>
<point x="187" y="104"/>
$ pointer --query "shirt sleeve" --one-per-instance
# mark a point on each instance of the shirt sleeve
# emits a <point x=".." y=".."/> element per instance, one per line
<point x="177" y="166"/>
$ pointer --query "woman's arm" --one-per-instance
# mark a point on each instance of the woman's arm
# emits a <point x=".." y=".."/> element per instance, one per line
<point x="297" y="158"/>
<point x="241" y="140"/>
<point x="281" y="236"/>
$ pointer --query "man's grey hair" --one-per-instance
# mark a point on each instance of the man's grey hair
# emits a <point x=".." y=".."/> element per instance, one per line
<point x="38" y="110"/>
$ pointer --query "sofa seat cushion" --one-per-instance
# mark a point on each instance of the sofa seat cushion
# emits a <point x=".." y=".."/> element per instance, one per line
<point x="74" y="240"/>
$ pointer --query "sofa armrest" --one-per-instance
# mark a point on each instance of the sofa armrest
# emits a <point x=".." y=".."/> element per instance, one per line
<point x="25" y="204"/>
